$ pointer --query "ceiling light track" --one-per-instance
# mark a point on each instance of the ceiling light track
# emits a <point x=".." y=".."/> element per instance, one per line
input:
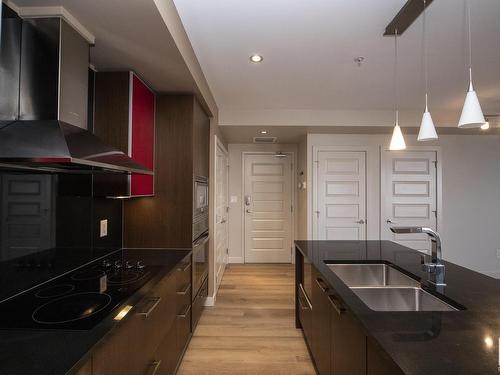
<point x="405" y="17"/>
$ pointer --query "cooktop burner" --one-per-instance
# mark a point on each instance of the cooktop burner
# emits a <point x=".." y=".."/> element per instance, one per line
<point x="71" y="308"/>
<point x="78" y="300"/>
<point x="55" y="291"/>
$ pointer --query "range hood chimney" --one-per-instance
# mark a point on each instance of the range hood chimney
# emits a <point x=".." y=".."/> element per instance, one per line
<point x="43" y="101"/>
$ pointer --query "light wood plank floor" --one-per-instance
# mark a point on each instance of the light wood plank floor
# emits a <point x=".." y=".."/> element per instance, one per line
<point x="251" y="330"/>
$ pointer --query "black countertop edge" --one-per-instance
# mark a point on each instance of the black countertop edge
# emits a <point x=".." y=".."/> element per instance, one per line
<point x="421" y="343"/>
<point x="45" y="352"/>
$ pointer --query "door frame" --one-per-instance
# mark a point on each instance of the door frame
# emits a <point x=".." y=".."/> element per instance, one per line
<point x="220" y="145"/>
<point x="293" y="182"/>
<point x="372" y="173"/>
<point x="439" y="181"/>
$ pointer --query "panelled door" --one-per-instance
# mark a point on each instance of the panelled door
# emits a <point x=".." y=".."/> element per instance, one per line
<point x="221" y="207"/>
<point x="409" y="195"/>
<point x="340" y="195"/>
<point x="268" y="208"/>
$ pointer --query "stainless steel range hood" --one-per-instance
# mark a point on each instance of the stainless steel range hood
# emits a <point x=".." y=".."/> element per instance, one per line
<point x="55" y="146"/>
<point x="46" y="68"/>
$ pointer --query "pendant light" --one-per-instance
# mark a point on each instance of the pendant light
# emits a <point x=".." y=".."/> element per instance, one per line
<point x="472" y="115"/>
<point x="397" y="140"/>
<point x="427" y="129"/>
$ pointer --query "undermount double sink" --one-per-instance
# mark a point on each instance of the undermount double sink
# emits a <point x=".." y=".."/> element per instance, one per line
<point x="383" y="288"/>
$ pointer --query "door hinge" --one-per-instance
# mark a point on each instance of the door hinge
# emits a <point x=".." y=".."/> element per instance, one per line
<point x="317" y="213"/>
<point x="435" y="213"/>
<point x="317" y="163"/>
<point x="227" y="251"/>
<point x="291" y="208"/>
<point x="435" y="163"/>
<point x="227" y="208"/>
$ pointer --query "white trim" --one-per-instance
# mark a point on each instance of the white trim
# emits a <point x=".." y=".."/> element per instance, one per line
<point x="210" y="301"/>
<point x="54" y="11"/>
<point x="236" y="260"/>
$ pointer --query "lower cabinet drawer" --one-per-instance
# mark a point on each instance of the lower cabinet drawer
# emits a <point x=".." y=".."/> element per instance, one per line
<point x="167" y="355"/>
<point x="130" y="347"/>
<point x="183" y="331"/>
<point x="199" y="302"/>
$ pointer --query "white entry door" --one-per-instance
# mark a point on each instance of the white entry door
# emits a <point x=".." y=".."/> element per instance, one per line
<point x="221" y="208"/>
<point x="341" y="195"/>
<point x="409" y="195"/>
<point x="268" y="208"/>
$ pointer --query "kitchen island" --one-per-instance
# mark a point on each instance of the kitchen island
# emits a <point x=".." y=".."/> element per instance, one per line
<point x="345" y="336"/>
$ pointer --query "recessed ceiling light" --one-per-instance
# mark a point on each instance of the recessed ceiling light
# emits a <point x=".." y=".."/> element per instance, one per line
<point x="263" y="132"/>
<point x="256" y="58"/>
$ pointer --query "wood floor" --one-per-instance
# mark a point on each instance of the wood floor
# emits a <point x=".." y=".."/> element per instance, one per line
<point x="251" y="330"/>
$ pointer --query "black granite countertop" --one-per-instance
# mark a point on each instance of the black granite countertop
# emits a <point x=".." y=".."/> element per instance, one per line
<point x="57" y="352"/>
<point x="448" y="342"/>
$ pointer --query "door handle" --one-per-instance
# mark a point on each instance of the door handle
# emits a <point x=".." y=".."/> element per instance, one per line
<point x="321" y="285"/>
<point x="389" y="221"/>
<point x="335" y="304"/>
<point x="153" y="367"/>
<point x="223" y="221"/>
<point x="360" y="221"/>
<point x="249" y="211"/>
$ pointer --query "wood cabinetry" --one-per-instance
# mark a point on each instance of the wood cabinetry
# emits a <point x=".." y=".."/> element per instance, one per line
<point x="124" y="117"/>
<point x="321" y="332"/>
<point x="182" y="143"/>
<point x="154" y="334"/>
<point x="336" y="340"/>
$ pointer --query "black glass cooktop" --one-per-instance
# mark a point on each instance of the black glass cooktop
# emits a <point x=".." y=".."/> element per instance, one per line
<point x="78" y="300"/>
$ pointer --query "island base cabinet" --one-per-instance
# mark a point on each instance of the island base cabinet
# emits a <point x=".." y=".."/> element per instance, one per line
<point x="348" y="347"/>
<point x="321" y="332"/>
<point x="305" y="314"/>
<point x="378" y="362"/>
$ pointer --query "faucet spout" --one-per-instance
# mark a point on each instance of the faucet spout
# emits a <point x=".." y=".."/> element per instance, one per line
<point x="436" y="266"/>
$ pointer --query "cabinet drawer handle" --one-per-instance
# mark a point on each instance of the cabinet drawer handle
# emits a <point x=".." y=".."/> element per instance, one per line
<point x="184" y="292"/>
<point x="153" y="367"/>
<point x="153" y="302"/>
<point x="321" y="284"/>
<point x="185" y="313"/>
<point x="185" y="268"/>
<point x="303" y="292"/>
<point x="336" y="305"/>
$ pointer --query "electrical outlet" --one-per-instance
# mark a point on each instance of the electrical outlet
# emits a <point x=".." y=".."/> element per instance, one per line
<point x="104" y="228"/>
<point x="498" y="253"/>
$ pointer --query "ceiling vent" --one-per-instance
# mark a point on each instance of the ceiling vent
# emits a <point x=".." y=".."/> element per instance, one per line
<point x="265" y="139"/>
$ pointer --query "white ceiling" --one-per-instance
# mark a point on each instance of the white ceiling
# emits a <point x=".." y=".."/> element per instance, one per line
<point x="129" y="35"/>
<point x="309" y="47"/>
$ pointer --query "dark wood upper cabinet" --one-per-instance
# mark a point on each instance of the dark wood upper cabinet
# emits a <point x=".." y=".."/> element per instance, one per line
<point x="124" y="117"/>
<point x="181" y="152"/>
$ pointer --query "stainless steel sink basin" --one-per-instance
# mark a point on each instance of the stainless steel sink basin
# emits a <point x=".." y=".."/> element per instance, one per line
<point x="371" y="275"/>
<point x="401" y="299"/>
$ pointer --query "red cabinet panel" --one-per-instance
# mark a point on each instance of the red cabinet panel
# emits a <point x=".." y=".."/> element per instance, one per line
<point x="141" y="135"/>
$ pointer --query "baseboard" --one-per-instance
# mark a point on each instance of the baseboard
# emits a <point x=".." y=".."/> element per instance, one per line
<point x="210" y="301"/>
<point x="235" y="260"/>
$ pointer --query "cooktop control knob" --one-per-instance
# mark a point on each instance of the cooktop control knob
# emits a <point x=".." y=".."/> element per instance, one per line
<point x="128" y="265"/>
<point x="140" y="265"/>
<point x="106" y="263"/>
<point x="118" y="264"/>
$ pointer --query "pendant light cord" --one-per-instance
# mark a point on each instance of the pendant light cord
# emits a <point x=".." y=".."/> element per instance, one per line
<point x="396" y="75"/>
<point x="467" y="3"/>
<point x="426" y="59"/>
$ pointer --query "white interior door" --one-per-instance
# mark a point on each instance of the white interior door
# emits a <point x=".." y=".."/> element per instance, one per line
<point x="221" y="207"/>
<point x="341" y="195"/>
<point x="409" y="195"/>
<point x="268" y="208"/>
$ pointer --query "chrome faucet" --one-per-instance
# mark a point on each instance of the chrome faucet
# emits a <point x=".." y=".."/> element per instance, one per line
<point x="435" y="267"/>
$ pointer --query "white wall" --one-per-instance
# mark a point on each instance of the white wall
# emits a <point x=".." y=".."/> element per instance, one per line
<point x="236" y="251"/>
<point x="470" y="225"/>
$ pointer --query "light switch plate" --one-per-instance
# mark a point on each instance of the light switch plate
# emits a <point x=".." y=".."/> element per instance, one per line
<point x="104" y="228"/>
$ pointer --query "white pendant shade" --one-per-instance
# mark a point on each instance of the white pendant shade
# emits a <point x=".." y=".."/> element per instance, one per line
<point x="472" y="114"/>
<point x="427" y="129"/>
<point x="397" y="140"/>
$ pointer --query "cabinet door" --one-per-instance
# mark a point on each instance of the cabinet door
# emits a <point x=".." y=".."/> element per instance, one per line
<point x="201" y="141"/>
<point x="305" y="314"/>
<point x="348" y="348"/>
<point x="142" y="136"/>
<point x="378" y="362"/>
<point x="321" y="332"/>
